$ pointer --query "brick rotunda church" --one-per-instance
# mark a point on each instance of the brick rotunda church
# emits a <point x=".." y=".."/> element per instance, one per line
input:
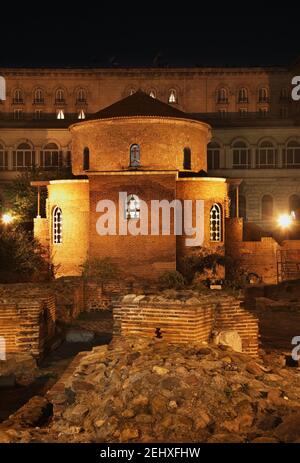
<point x="151" y="151"/>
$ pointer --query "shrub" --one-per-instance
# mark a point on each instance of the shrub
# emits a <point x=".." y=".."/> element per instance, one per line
<point x="172" y="280"/>
<point x="102" y="270"/>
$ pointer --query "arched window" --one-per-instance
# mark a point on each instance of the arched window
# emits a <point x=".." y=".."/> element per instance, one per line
<point x="81" y="114"/>
<point x="213" y="155"/>
<point x="152" y="93"/>
<point x="132" y="207"/>
<point x="135" y="156"/>
<point x="3" y="158"/>
<point x="292" y="154"/>
<point x="263" y="95"/>
<point x="173" y="96"/>
<point x="266" y="155"/>
<point x="132" y="91"/>
<point x="284" y="94"/>
<point x="216" y="223"/>
<point x="187" y="158"/>
<point x="222" y="95"/>
<point x="240" y="155"/>
<point x="59" y="96"/>
<point x="243" y="95"/>
<point x="18" y="96"/>
<point x="50" y="157"/>
<point x="38" y="96"/>
<point x="23" y="157"/>
<point x="81" y="96"/>
<point x="266" y="207"/>
<point x="294" y="206"/>
<point x="242" y="207"/>
<point x="86" y="159"/>
<point x="60" y="114"/>
<point x="57" y="225"/>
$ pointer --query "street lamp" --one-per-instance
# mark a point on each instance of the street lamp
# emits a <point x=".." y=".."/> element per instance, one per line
<point x="285" y="220"/>
<point x="7" y="219"/>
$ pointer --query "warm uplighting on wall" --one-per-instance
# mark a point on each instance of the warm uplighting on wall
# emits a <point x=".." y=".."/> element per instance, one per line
<point x="7" y="219"/>
<point x="285" y="220"/>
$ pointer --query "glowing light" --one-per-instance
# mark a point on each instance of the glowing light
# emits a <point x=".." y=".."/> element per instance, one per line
<point x="284" y="220"/>
<point x="7" y="219"/>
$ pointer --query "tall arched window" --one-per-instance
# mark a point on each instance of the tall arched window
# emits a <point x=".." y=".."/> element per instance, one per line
<point x="23" y="157"/>
<point x="243" y="95"/>
<point x="263" y="95"/>
<point x="187" y="158"/>
<point x="294" y="206"/>
<point x="266" y="155"/>
<point x="86" y="159"/>
<point x="292" y="154"/>
<point x="81" y="96"/>
<point x="173" y="98"/>
<point x="132" y="207"/>
<point x="241" y="155"/>
<point x="216" y="223"/>
<point x="38" y="96"/>
<point x="152" y="93"/>
<point x="50" y="156"/>
<point x="59" y="96"/>
<point x="222" y="95"/>
<point x="135" y="155"/>
<point x="57" y="225"/>
<point x="213" y="155"/>
<point x="266" y="207"/>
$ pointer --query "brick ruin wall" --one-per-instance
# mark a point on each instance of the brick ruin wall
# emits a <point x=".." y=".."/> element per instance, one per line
<point x="182" y="323"/>
<point x="27" y="319"/>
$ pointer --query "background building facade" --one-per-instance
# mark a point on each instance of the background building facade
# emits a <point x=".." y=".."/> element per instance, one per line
<point x="255" y="123"/>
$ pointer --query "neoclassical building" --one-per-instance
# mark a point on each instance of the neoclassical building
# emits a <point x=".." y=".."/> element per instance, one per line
<point x="255" y="123"/>
<point x="144" y="150"/>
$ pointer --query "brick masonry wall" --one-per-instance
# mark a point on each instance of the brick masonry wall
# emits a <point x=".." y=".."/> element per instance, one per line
<point x="183" y="323"/>
<point x="27" y="319"/>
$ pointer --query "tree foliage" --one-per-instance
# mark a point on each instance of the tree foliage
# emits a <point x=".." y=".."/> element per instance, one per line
<point x="102" y="270"/>
<point x="21" y="257"/>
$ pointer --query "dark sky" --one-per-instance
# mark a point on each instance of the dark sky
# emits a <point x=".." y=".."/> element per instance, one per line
<point x="95" y="39"/>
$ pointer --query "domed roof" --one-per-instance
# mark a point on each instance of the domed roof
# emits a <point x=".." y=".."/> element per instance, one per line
<point x="139" y="104"/>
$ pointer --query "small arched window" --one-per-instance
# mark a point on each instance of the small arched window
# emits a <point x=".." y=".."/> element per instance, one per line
<point x="222" y="95"/>
<point x="86" y="159"/>
<point x="173" y="98"/>
<point x="187" y="159"/>
<point x="132" y="91"/>
<point x="266" y="207"/>
<point x="240" y="155"/>
<point x="81" y="96"/>
<point x="292" y="154"/>
<point x="18" y="96"/>
<point x="50" y="157"/>
<point x="57" y="225"/>
<point x="216" y="223"/>
<point x="135" y="156"/>
<point x="294" y="206"/>
<point x="266" y="155"/>
<point x="59" y="96"/>
<point x="152" y="93"/>
<point x="38" y="96"/>
<point x="3" y="158"/>
<point x="243" y="95"/>
<point x="23" y="157"/>
<point x="213" y="155"/>
<point x="263" y="95"/>
<point x="132" y="207"/>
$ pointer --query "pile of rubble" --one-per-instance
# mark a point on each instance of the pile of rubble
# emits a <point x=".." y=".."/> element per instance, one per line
<point x="142" y="390"/>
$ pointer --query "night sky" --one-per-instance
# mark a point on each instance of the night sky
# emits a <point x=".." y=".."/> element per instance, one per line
<point x="91" y="38"/>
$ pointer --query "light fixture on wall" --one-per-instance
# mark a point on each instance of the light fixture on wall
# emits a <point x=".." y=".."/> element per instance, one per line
<point x="7" y="218"/>
<point x="285" y="220"/>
